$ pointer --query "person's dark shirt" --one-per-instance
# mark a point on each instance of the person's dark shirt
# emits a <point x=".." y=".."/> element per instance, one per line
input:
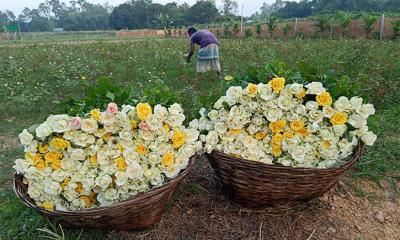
<point x="203" y="38"/>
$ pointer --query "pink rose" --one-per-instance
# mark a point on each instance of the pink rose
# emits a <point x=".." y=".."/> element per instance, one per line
<point x="112" y="107"/>
<point x="75" y="122"/>
<point x="143" y="125"/>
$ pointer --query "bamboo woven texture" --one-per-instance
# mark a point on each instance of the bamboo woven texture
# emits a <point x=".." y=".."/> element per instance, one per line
<point x="136" y="213"/>
<point x="254" y="184"/>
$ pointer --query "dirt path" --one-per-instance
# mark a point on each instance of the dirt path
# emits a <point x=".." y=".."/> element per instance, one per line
<point x="203" y="213"/>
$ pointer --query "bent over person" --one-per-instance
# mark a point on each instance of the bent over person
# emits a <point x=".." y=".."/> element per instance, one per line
<point x="208" y="55"/>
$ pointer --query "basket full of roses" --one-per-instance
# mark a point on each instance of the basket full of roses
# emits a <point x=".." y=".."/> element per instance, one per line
<point x="112" y="169"/>
<point x="275" y="142"/>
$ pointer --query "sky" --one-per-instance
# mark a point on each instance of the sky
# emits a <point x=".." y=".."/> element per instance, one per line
<point x="250" y="6"/>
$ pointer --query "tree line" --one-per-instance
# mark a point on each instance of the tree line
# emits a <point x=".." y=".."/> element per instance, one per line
<point x="80" y="15"/>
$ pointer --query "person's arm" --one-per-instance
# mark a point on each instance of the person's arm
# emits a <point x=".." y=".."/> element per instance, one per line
<point x="191" y="52"/>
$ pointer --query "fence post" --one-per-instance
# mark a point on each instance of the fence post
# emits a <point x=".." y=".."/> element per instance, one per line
<point x="295" y="27"/>
<point x="382" y="26"/>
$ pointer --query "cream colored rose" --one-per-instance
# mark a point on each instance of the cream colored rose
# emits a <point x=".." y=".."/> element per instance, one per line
<point x="51" y="187"/>
<point x="134" y="171"/>
<point x="175" y="109"/>
<point x="103" y="181"/>
<point x="59" y="123"/>
<point x="160" y="112"/>
<point x="77" y="155"/>
<point x="25" y="137"/>
<point x="369" y="138"/>
<point x="315" y="88"/>
<point x="89" y="125"/>
<point x="234" y="93"/>
<point x="175" y="120"/>
<point x="44" y="130"/>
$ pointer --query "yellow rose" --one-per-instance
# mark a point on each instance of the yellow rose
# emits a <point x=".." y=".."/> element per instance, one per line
<point x="178" y="139"/>
<point x="107" y="136"/>
<point x="288" y="135"/>
<point x="95" y="114"/>
<point x="47" y="206"/>
<point x="87" y="201"/>
<point x="301" y="95"/>
<point x="277" y="84"/>
<point x="326" y="144"/>
<point x="339" y="118"/>
<point x="166" y="128"/>
<point x="93" y="161"/>
<point x="59" y="143"/>
<point x="65" y="183"/>
<point x="43" y="148"/>
<point x="252" y="88"/>
<point x="277" y="139"/>
<point x="277" y="126"/>
<point x="297" y="125"/>
<point x="56" y="164"/>
<point x="235" y="131"/>
<point x="134" y="124"/>
<point x="40" y="165"/>
<point x="142" y="150"/>
<point x="276" y="150"/>
<point x="260" y="135"/>
<point x="303" y="132"/>
<point x="79" y="188"/>
<point x="168" y="159"/>
<point x="143" y="110"/>
<point x="92" y="197"/>
<point x="121" y="164"/>
<point x="324" y="99"/>
<point x="51" y="156"/>
<point x="121" y="149"/>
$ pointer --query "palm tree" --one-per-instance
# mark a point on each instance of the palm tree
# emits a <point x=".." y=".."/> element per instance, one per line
<point x="286" y="28"/>
<point x="344" y="21"/>
<point x="272" y="23"/>
<point x="369" y="22"/>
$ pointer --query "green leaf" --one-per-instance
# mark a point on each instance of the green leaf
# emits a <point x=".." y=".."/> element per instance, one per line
<point x="252" y="72"/>
<point x="110" y="95"/>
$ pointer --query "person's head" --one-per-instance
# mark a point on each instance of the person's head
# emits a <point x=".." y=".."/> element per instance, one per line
<point x="191" y="31"/>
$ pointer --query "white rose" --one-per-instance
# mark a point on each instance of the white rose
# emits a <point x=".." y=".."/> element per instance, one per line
<point x="339" y="130"/>
<point x="203" y="112"/>
<point x="296" y="88"/>
<point x="356" y="103"/>
<point x="315" y="88"/>
<point x="154" y="123"/>
<point x="58" y="176"/>
<point x="194" y="124"/>
<point x="357" y="120"/>
<point x="369" y="138"/>
<point x="266" y="92"/>
<point x="31" y="147"/>
<point x="188" y="150"/>
<point x="134" y="171"/>
<point x="192" y="135"/>
<point x="67" y="163"/>
<point x="51" y="187"/>
<point x="181" y="161"/>
<point x="328" y="111"/>
<point x="107" y="118"/>
<point x="154" y="158"/>
<point x="77" y="155"/>
<point x="171" y="171"/>
<point x="59" y="123"/>
<point x="25" y="137"/>
<point x="175" y="109"/>
<point x="219" y="104"/>
<point x="43" y="130"/>
<point x="34" y="192"/>
<point x="366" y="110"/>
<point x="301" y="110"/>
<point x="273" y="114"/>
<point x="220" y="127"/>
<point x="160" y="112"/>
<point x="316" y="116"/>
<point x="312" y="106"/>
<point x="103" y="181"/>
<point x="213" y="115"/>
<point x="298" y="153"/>
<point x="21" y="165"/>
<point x="234" y="93"/>
<point x="89" y="125"/>
<point x="284" y="103"/>
<point x="111" y="194"/>
<point x="342" y="104"/>
<point x="125" y="135"/>
<point x="175" y="120"/>
<point x="250" y="142"/>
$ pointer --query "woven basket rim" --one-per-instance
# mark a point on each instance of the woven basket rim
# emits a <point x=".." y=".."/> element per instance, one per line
<point x="356" y="153"/>
<point x="29" y="202"/>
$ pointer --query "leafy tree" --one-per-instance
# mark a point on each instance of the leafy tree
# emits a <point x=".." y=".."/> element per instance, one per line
<point x="121" y="17"/>
<point x="344" y="20"/>
<point x="368" y="23"/>
<point x="258" y="29"/>
<point x="321" y="22"/>
<point x="229" y="7"/>
<point x="202" y="12"/>
<point x="271" y="24"/>
<point x="286" y="28"/>
<point x="396" y="28"/>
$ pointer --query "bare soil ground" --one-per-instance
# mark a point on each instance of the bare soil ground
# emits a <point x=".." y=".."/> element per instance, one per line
<point x="346" y="212"/>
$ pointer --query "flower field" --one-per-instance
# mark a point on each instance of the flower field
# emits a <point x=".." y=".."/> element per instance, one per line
<point x="35" y="78"/>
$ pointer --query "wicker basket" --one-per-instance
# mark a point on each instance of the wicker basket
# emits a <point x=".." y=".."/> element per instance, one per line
<point x="139" y="212"/>
<point x="255" y="184"/>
